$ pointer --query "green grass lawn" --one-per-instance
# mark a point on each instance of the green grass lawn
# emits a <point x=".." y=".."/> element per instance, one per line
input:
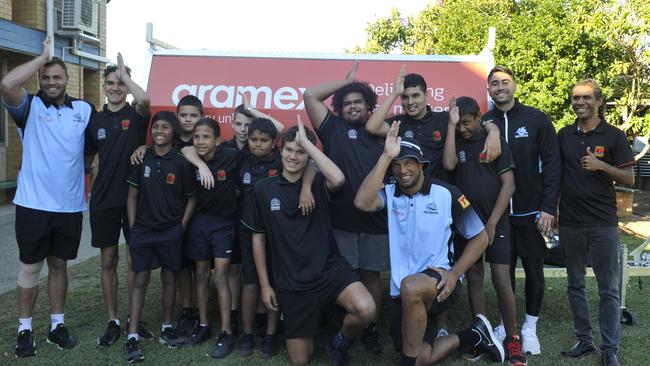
<point x="85" y="316"/>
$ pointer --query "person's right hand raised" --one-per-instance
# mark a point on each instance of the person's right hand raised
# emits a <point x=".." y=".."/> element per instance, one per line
<point x="392" y="141"/>
<point x="454" y="117"/>
<point x="353" y="72"/>
<point x="47" y="56"/>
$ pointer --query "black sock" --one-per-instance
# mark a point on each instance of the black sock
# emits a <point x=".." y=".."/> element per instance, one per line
<point x="468" y="338"/>
<point x="405" y="360"/>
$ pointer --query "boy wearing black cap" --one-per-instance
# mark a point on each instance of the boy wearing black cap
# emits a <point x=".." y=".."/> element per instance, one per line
<point x="159" y="205"/>
<point x="424" y="278"/>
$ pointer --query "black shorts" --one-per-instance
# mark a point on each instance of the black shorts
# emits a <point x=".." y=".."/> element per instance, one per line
<point x="210" y="237"/>
<point x="436" y="308"/>
<point x="527" y="242"/>
<point x="249" y="270"/>
<point x="43" y="233"/>
<point x="105" y="226"/>
<point x="303" y="311"/>
<point x="500" y="252"/>
<point x="151" y="249"/>
<point x="235" y="256"/>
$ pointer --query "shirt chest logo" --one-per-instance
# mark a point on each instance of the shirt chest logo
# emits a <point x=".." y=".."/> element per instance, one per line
<point x="247" y="178"/>
<point x="77" y="118"/>
<point x="275" y="204"/>
<point x="437" y="135"/>
<point x="462" y="156"/>
<point x="599" y="151"/>
<point x="125" y="124"/>
<point x="408" y="134"/>
<point x="482" y="157"/>
<point x="431" y="208"/>
<point x="44" y="117"/>
<point x="521" y="132"/>
<point x="101" y="134"/>
<point x="273" y="172"/>
<point x="221" y="175"/>
<point x="352" y="134"/>
<point x="147" y="171"/>
<point x="171" y="178"/>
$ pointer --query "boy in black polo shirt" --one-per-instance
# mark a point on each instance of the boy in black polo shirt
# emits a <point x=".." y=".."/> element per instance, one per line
<point x="159" y="206"/>
<point x="212" y="232"/>
<point x="114" y="133"/>
<point x="308" y="274"/>
<point x="489" y="186"/>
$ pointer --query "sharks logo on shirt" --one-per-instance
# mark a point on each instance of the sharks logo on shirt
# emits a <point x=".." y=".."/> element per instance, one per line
<point x="101" y="134"/>
<point x="408" y="134"/>
<point x="521" y="132"/>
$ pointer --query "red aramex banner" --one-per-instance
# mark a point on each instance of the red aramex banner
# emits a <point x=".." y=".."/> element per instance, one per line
<point x="275" y="83"/>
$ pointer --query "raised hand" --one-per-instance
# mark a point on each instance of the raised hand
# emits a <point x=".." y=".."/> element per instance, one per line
<point x="46" y="49"/>
<point x="245" y="101"/>
<point x="454" y="116"/>
<point x="392" y="141"/>
<point x="398" y="88"/>
<point x="353" y="72"/>
<point x="120" y="72"/>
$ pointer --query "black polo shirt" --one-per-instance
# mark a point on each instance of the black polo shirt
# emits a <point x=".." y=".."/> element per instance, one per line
<point x="588" y="198"/>
<point x="430" y="132"/>
<point x="180" y="144"/>
<point x="253" y="169"/>
<point x="478" y="179"/>
<point x="301" y="246"/>
<point x="222" y="199"/>
<point x="164" y="183"/>
<point x="113" y="136"/>
<point x="355" y="151"/>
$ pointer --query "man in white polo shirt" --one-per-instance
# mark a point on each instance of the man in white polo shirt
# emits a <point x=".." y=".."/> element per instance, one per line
<point x="50" y="194"/>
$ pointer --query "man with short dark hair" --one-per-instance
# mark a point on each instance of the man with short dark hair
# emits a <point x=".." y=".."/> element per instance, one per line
<point x="532" y="140"/>
<point x="594" y="155"/>
<point x="113" y="134"/>
<point x="50" y="194"/>
<point x="423" y="213"/>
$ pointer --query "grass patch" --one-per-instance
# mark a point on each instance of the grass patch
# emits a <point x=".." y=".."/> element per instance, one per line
<point x="85" y="316"/>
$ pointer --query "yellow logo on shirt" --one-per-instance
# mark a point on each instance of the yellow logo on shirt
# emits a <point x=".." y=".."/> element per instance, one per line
<point x="464" y="202"/>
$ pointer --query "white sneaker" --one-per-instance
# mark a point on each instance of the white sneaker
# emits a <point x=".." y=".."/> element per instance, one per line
<point x="500" y="333"/>
<point x="529" y="341"/>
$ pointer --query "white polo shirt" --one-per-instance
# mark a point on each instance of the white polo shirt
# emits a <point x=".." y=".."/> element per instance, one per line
<point x="51" y="176"/>
<point x="420" y="227"/>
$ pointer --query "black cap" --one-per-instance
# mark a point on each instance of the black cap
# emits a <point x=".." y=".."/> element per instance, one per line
<point x="410" y="148"/>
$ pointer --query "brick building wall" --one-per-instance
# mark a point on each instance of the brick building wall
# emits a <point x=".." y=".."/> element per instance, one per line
<point x="5" y="9"/>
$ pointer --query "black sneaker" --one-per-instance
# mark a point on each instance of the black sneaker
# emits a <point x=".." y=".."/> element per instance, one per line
<point x="488" y="343"/>
<point x="338" y="357"/>
<point x="187" y="322"/>
<point x="269" y="346"/>
<point x="110" y="336"/>
<point x="246" y="345"/>
<point x="370" y="338"/>
<point x="133" y="352"/>
<point x="25" y="344"/>
<point x="61" y="337"/>
<point x="224" y="346"/>
<point x="170" y="338"/>
<point x="200" y="334"/>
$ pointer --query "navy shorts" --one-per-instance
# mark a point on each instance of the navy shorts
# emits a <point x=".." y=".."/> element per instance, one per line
<point x="210" y="237"/>
<point x="527" y="242"/>
<point x="235" y="257"/>
<point x="105" y="226"/>
<point x="151" y="249"/>
<point x="499" y="252"/>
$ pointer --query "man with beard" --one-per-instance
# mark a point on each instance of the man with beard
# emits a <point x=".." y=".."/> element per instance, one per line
<point x="50" y="194"/>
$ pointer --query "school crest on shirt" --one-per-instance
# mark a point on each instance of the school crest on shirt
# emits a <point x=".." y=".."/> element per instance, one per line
<point x="147" y="171"/>
<point x="599" y="151"/>
<point x="171" y="178"/>
<point x="461" y="156"/>
<point x="482" y="157"/>
<point x="101" y="134"/>
<point x="246" y="179"/>
<point x="352" y="134"/>
<point x="273" y="172"/>
<point x="408" y="134"/>
<point x="125" y="124"/>
<point x="464" y="202"/>
<point x="221" y="175"/>
<point x="431" y="208"/>
<point x="275" y="204"/>
<point x="437" y="135"/>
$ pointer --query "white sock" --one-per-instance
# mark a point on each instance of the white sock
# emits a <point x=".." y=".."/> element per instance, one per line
<point x="164" y="326"/>
<point x="24" y="324"/>
<point x="530" y="322"/>
<point x="55" y="319"/>
<point x="134" y="335"/>
<point x="117" y="321"/>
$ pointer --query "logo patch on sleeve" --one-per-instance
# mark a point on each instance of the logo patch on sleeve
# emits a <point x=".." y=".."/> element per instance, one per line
<point x="221" y="175"/>
<point x="125" y="124"/>
<point x="599" y="151"/>
<point x="464" y="202"/>
<point x="171" y="178"/>
<point x="273" y="172"/>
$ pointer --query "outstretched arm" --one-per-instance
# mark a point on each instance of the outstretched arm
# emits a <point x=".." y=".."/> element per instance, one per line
<point x="376" y="124"/>
<point x="11" y="87"/>
<point x="367" y="198"/>
<point x="207" y="180"/>
<point x="332" y="173"/>
<point x="139" y="95"/>
<point x="315" y="96"/>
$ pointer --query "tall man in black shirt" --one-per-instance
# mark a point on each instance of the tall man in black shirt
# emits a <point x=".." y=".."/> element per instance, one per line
<point x="594" y="155"/>
<point x="362" y="237"/>
<point x="310" y="277"/>
<point x="113" y="134"/>
<point x="533" y="143"/>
